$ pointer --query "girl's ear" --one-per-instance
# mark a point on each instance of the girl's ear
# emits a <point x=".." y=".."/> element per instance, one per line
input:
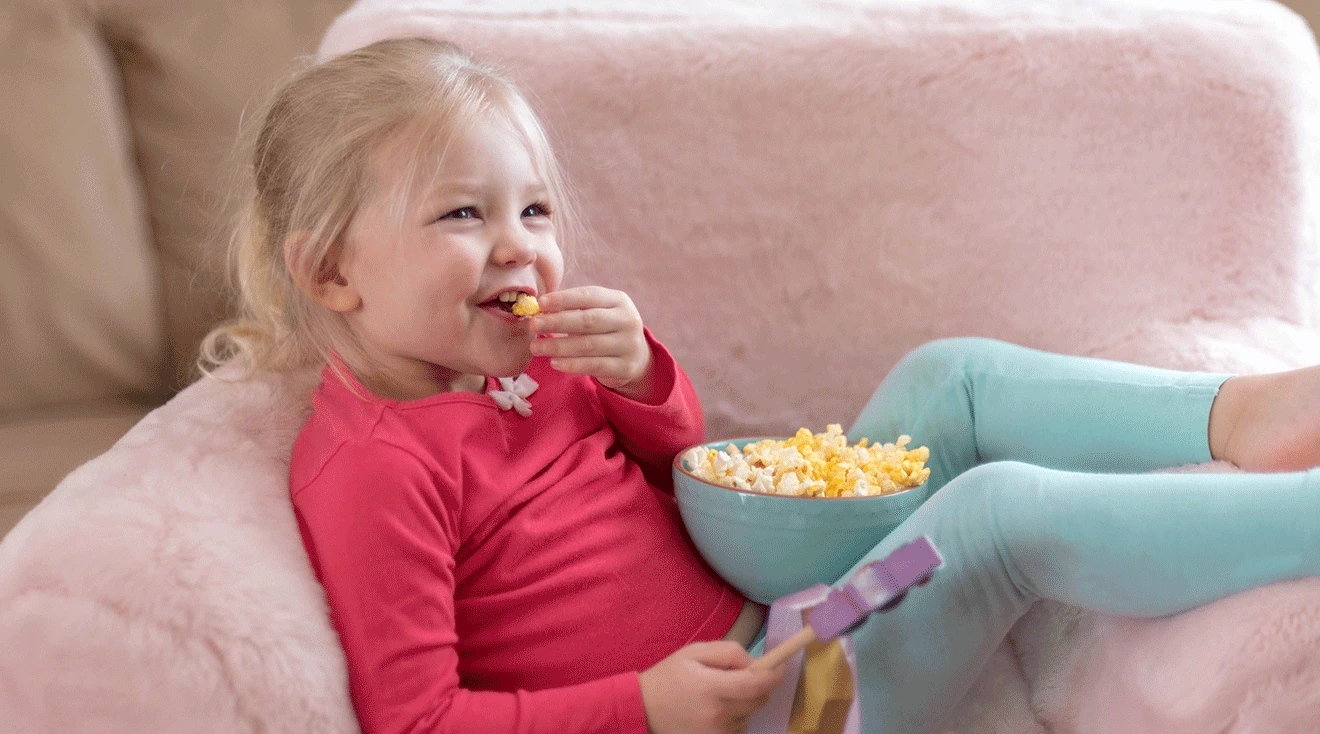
<point x="329" y="287"/>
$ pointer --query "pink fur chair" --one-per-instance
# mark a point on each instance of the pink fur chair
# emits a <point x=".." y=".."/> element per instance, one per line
<point x="795" y="193"/>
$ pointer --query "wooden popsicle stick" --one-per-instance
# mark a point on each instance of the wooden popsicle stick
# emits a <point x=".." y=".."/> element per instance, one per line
<point x="785" y="650"/>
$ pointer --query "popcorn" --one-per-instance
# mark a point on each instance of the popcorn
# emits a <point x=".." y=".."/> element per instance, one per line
<point x="813" y="465"/>
<point x="526" y="305"/>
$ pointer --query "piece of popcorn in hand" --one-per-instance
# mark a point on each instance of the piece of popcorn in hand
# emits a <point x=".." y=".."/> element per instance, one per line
<point x="526" y="305"/>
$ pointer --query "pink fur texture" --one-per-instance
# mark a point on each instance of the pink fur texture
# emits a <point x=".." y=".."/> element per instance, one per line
<point x="162" y="587"/>
<point x="795" y="192"/>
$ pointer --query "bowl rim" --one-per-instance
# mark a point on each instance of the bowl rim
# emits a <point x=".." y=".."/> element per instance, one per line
<point x="678" y="466"/>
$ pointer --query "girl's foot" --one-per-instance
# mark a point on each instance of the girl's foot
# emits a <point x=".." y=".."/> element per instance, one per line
<point x="1268" y="423"/>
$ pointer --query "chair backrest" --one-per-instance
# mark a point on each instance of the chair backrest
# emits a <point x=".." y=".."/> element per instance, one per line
<point x="796" y="195"/>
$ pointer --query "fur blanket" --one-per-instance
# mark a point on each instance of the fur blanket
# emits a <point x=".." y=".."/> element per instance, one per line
<point x="163" y="587"/>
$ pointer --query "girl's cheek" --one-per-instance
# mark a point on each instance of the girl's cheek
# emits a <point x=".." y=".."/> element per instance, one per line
<point x="554" y="271"/>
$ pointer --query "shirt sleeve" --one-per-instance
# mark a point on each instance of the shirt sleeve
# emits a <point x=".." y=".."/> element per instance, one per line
<point x="381" y="532"/>
<point x="664" y="422"/>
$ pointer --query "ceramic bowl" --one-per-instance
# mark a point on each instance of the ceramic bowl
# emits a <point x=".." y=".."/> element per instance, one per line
<point x="768" y="546"/>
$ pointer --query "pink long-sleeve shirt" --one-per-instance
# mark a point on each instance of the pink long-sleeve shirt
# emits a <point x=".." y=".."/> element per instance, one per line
<point x="488" y="572"/>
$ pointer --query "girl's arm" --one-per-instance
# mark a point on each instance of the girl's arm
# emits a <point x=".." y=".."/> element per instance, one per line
<point x="381" y="532"/>
<point x="667" y="419"/>
<point x="643" y="392"/>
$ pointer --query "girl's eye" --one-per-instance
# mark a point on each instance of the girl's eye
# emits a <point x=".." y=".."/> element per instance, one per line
<point x="537" y="210"/>
<point x="467" y="212"/>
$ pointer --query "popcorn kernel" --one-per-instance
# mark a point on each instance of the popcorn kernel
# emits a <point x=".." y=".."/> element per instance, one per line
<point x="526" y="305"/>
<point x="814" y="465"/>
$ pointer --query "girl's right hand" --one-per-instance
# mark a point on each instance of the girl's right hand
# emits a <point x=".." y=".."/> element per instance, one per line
<point x="705" y="688"/>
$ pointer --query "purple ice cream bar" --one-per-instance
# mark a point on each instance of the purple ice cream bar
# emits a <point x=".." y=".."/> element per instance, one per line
<point x="876" y="587"/>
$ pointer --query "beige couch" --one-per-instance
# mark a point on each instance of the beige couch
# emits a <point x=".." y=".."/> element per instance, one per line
<point x="116" y="117"/>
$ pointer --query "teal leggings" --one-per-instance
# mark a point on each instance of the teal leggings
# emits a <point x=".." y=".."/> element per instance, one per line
<point x="1037" y="467"/>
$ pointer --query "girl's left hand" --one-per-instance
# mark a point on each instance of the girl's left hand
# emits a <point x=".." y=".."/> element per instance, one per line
<point x="602" y="337"/>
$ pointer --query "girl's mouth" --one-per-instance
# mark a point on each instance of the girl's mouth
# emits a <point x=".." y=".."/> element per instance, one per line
<point x="501" y="306"/>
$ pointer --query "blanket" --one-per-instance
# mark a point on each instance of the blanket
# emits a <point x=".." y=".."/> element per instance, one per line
<point x="163" y="587"/>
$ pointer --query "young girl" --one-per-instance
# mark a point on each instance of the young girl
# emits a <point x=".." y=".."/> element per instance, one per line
<point x="489" y="512"/>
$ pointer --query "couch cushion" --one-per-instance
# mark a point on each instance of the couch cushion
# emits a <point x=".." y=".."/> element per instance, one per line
<point x="38" y="448"/>
<point x="79" y="303"/>
<point x="189" y="68"/>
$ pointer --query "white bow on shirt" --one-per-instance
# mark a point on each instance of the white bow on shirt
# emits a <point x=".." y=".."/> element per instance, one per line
<point x="515" y="393"/>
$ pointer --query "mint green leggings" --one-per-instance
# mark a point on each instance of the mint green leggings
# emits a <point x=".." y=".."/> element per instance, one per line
<point x="1037" y="466"/>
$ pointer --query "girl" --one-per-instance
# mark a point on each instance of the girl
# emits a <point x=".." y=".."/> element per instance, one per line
<point x="487" y="510"/>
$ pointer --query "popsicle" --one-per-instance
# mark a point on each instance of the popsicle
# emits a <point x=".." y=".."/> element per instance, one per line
<point x="878" y="586"/>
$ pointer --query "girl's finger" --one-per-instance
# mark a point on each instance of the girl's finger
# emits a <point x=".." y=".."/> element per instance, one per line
<point x="581" y="321"/>
<point x="590" y="345"/>
<point x="586" y="296"/>
<point x="748" y="685"/>
<point x="602" y="368"/>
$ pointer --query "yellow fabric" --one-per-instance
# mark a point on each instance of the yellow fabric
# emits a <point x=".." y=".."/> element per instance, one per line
<point x="824" y="692"/>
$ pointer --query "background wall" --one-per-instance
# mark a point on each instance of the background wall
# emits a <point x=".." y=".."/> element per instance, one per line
<point x="1309" y="9"/>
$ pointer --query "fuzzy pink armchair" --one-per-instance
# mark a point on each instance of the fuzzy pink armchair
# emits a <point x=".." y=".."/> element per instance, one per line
<point x="795" y="193"/>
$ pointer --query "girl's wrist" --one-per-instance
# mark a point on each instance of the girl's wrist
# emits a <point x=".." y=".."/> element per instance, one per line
<point x="641" y="388"/>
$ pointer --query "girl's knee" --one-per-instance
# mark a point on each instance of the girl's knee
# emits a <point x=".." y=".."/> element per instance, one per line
<point x="997" y="483"/>
<point x="935" y="360"/>
<point x="997" y="509"/>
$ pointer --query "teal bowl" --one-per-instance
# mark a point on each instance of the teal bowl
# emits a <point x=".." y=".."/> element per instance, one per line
<point x="768" y="546"/>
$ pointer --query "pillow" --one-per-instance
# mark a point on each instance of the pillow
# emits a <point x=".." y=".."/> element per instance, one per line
<point x="164" y="587"/>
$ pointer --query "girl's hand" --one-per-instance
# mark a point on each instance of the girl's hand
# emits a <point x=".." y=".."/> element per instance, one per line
<point x="602" y="337"/>
<point x="705" y="688"/>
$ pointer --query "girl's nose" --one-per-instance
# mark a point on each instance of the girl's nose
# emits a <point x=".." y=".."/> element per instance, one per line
<point x="514" y="248"/>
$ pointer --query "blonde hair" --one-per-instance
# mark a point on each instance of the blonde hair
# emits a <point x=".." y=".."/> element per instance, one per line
<point x="307" y="168"/>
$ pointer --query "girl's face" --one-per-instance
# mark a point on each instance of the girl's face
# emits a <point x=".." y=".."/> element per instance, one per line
<point x="428" y="266"/>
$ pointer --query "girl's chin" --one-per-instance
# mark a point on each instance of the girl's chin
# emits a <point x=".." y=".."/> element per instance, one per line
<point x="511" y="368"/>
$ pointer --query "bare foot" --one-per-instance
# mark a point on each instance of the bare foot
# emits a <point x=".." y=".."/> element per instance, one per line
<point x="1268" y="423"/>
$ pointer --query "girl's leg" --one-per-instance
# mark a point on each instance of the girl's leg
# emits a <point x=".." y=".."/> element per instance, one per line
<point x="1011" y="533"/>
<point x="978" y="400"/>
